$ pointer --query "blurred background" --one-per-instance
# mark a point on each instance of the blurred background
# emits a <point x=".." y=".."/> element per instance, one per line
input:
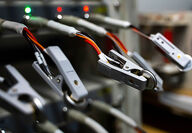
<point x="169" y="111"/>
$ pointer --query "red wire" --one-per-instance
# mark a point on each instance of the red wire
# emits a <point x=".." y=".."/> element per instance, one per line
<point x="98" y="52"/>
<point x="91" y="42"/>
<point x="118" y="41"/>
<point x="29" y="33"/>
<point x="36" y="43"/>
<point x="33" y="39"/>
<point x="88" y="40"/>
<point x="140" y="33"/>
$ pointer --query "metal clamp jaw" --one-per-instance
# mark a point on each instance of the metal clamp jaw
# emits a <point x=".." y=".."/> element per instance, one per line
<point x="141" y="62"/>
<point x="20" y="97"/>
<point x="183" y="60"/>
<point x="77" y="91"/>
<point x="123" y="70"/>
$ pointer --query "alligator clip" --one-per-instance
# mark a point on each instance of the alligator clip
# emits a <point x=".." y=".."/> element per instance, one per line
<point x="120" y="68"/>
<point x="77" y="92"/>
<point x="183" y="61"/>
<point x="19" y="97"/>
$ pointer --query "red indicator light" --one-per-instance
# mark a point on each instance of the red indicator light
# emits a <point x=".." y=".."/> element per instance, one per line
<point x="59" y="9"/>
<point x="86" y="8"/>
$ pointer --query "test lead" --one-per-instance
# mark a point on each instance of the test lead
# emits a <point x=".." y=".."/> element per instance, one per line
<point x="182" y="60"/>
<point x="67" y="73"/>
<point x="65" y="29"/>
<point x="23" y="30"/>
<point x="109" y="66"/>
<point x="114" y="66"/>
<point x="76" y="91"/>
<point x="119" y="46"/>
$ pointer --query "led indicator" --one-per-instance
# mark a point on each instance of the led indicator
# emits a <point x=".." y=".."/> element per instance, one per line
<point x="59" y="16"/>
<point x="59" y="9"/>
<point x="86" y="8"/>
<point x="27" y="17"/>
<point x="27" y="9"/>
<point x="86" y="15"/>
<point x="178" y="56"/>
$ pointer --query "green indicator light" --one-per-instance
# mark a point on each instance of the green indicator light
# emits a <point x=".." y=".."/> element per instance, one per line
<point x="27" y="9"/>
